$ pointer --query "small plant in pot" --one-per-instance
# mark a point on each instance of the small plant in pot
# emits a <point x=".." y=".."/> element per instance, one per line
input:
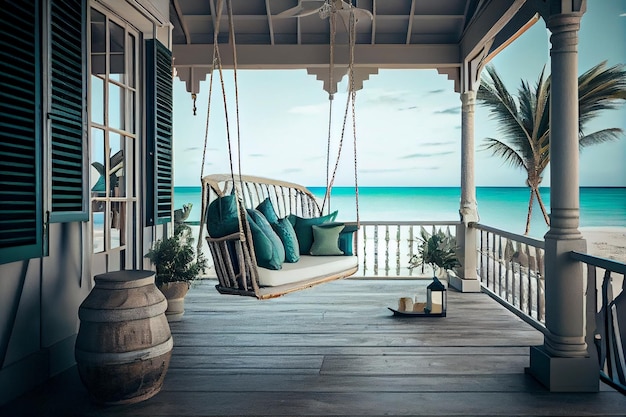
<point x="176" y="267"/>
<point x="437" y="249"/>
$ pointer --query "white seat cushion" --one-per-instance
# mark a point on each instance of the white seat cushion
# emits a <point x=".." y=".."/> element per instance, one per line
<point x="307" y="267"/>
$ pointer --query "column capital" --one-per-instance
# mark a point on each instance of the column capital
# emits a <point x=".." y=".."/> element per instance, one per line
<point x="564" y="28"/>
<point x="468" y="101"/>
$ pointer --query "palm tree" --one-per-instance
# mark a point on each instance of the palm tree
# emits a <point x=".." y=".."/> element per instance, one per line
<point x="525" y="123"/>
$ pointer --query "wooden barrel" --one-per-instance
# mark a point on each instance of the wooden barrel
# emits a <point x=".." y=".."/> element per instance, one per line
<point x="124" y="344"/>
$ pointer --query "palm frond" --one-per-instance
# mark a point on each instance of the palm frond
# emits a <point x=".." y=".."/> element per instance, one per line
<point x="501" y="149"/>
<point x="600" y="88"/>
<point x="601" y="136"/>
<point x="494" y="95"/>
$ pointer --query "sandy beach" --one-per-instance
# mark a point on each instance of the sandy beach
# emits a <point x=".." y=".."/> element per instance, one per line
<point x="606" y="242"/>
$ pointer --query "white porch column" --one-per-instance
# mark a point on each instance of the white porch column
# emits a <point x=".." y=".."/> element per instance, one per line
<point x="467" y="281"/>
<point x="565" y="361"/>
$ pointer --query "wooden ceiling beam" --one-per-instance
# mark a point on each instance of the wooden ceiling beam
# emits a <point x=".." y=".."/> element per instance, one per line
<point x="308" y="56"/>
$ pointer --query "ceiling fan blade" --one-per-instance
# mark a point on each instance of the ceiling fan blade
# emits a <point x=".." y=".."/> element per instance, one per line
<point x="304" y="8"/>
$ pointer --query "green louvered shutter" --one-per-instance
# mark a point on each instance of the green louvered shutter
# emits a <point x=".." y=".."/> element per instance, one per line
<point x="21" y="217"/>
<point x="68" y="109"/>
<point x="159" y="104"/>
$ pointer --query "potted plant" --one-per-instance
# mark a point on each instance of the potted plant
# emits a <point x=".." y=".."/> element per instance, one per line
<point x="176" y="267"/>
<point x="437" y="249"/>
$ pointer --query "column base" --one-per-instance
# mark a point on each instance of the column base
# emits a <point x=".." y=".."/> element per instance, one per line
<point x="564" y="374"/>
<point x="463" y="285"/>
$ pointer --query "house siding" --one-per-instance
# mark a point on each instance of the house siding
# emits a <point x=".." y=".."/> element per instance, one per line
<point x="40" y="297"/>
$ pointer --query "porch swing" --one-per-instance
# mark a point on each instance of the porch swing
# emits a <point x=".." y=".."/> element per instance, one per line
<point x="270" y="237"/>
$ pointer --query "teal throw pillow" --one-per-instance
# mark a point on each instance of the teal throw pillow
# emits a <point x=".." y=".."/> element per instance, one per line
<point x="305" y="233"/>
<point x="267" y="208"/>
<point x="326" y="240"/>
<point x="263" y="248"/>
<point x="278" y="250"/>
<point x="346" y="237"/>
<point x="285" y="232"/>
<point x="221" y="217"/>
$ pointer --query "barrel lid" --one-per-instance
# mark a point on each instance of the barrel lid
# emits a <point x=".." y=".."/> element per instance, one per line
<point x="134" y="276"/>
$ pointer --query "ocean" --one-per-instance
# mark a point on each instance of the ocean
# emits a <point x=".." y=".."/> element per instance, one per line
<point x="501" y="207"/>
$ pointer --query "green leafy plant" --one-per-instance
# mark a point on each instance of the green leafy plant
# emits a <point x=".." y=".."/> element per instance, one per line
<point x="175" y="258"/>
<point x="436" y="249"/>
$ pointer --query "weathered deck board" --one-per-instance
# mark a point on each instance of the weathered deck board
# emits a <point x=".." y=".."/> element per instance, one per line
<point x="336" y="350"/>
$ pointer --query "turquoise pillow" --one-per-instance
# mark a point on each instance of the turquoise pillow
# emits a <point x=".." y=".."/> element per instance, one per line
<point x="263" y="248"/>
<point x="305" y="233"/>
<point x="267" y="208"/>
<point x="277" y="248"/>
<point x="221" y="217"/>
<point x="285" y="232"/>
<point x="326" y="240"/>
<point x="346" y="238"/>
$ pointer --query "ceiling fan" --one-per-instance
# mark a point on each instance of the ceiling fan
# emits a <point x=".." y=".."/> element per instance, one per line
<point x="324" y="8"/>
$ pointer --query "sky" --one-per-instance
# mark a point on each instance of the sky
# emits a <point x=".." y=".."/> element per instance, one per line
<point x="408" y="122"/>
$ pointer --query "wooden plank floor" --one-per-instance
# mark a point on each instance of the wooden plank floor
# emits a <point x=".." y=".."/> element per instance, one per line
<point x="336" y="350"/>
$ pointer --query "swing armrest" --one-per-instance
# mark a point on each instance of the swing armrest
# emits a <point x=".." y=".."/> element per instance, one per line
<point x="232" y="236"/>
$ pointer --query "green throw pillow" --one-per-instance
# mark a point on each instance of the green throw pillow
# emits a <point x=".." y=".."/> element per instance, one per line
<point x="305" y="233"/>
<point x="276" y="245"/>
<point x="285" y="232"/>
<point x="346" y="237"/>
<point x="221" y="216"/>
<point x="267" y="208"/>
<point x="326" y="240"/>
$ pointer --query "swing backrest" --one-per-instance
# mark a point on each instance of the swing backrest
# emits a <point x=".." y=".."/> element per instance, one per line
<point x="286" y="197"/>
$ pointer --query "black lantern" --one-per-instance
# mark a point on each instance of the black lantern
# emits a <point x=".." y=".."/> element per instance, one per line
<point x="436" y="298"/>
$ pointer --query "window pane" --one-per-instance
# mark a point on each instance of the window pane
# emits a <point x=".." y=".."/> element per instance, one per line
<point x="116" y="33"/>
<point x="97" y="173"/>
<point x="98" y="43"/>
<point x="97" y="100"/>
<point x="131" y="70"/>
<point x="131" y="113"/>
<point x="118" y="224"/>
<point x="116" y="165"/>
<point x="98" y="38"/>
<point x="116" y="107"/>
<point x="97" y="222"/>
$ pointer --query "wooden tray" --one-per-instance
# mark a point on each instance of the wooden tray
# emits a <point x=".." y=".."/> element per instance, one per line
<point x="417" y="313"/>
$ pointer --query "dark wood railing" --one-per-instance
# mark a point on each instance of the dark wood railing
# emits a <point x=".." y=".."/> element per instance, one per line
<point x="606" y="290"/>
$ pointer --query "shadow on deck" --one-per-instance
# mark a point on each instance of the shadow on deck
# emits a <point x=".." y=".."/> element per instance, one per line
<point x="337" y="350"/>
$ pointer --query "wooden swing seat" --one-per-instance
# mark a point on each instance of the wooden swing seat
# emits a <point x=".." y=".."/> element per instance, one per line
<point x="233" y="255"/>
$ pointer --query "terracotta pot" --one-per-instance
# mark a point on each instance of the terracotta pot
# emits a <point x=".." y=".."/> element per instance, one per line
<point x="175" y="294"/>
<point x="124" y="344"/>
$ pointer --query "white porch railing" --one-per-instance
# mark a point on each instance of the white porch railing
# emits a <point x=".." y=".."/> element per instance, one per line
<point x="511" y="269"/>
<point x="385" y="247"/>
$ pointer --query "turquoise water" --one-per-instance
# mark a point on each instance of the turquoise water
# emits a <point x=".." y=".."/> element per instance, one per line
<point x="501" y="207"/>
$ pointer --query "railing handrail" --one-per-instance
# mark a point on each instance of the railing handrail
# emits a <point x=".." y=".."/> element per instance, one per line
<point x="606" y="264"/>
<point x="406" y="223"/>
<point x="520" y="238"/>
<point x="378" y="222"/>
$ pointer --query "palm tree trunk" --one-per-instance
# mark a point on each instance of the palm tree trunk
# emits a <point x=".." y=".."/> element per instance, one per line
<point x="543" y="207"/>
<point x="530" y="210"/>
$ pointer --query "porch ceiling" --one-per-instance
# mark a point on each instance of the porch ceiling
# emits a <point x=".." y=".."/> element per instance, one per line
<point x="431" y="34"/>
